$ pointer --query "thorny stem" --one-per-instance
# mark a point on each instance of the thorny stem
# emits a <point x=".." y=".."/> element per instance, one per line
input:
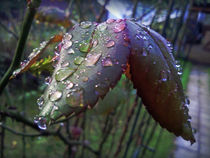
<point x="31" y="10"/>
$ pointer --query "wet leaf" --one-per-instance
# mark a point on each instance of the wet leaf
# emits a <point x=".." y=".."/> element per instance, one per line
<point x="92" y="59"/>
<point x="156" y="79"/>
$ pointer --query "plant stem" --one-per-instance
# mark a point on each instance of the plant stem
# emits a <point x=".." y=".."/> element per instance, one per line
<point x="32" y="6"/>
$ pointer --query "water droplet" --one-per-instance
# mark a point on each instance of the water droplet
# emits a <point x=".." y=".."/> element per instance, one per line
<point x="92" y="59"/>
<point x="75" y="99"/>
<point x="126" y="38"/>
<point x="65" y="64"/>
<point x="78" y="60"/>
<point x="67" y="44"/>
<point x="69" y="85"/>
<point x="119" y="20"/>
<point x="85" y="79"/>
<point x="95" y="43"/>
<point x="62" y="74"/>
<point x="40" y="102"/>
<point x="41" y="122"/>
<point x="48" y="80"/>
<point x="187" y="101"/>
<point x="139" y="37"/>
<point x="163" y="76"/>
<point x="55" y="96"/>
<point x="149" y="47"/>
<point x="71" y="51"/>
<point x="109" y="21"/>
<point x="102" y="27"/>
<point x="85" y="24"/>
<point x="110" y="44"/>
<point x="144" y="53"/>
<point x="107" y="62"/>
<point x="23" y="63"/>
<point x="84" y="46"/>
<point x="67" y="36"/>
<point x="119" y="27"/>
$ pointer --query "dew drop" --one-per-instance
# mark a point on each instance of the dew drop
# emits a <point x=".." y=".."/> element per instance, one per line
<point x="55" y="96"/>
<point x="69" y="85"/>
<point x="109" y="21"/>
<point x="67" y="44"/>
<point x="40" y="102"/>
<point x="107" y="62"/>
<point x="111" y="43"/>
<point x="163" y="76"/>
<point x="95" y="43"/>
<point x="65" y="64"/>
<point x="138" y="36"/>
<point x="23" y="63"/>
<point x="119" y="27"/>
<point x="187" y="101"/>
<point x="85" y="24"/>
<point x="100" y="89"/>
<point x="85" y="79"/>
<point x="102" y="27"/>
<point x="92" y="59"/>
<point x="62" y="74"/>
<point x="78" y="60"/>
<point x="68" y="36"/>
<point x="41" y="122"/>
<point x="84" y="46"/>
<point x="144" y="53"/>
<point x="71" y="51"/>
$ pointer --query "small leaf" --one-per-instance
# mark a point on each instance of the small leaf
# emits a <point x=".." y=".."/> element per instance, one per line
<point x="154" y="74"/>
<point x="33" y="57"/>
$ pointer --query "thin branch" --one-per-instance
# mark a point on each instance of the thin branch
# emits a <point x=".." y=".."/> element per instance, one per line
<point x="32" y="6"/>
<point x="20" y="133"/>
<point x="134" y="9"/>
<point x="8" y="30"/>
<point x="149" y="11"/>
<point x="98" y="19"/>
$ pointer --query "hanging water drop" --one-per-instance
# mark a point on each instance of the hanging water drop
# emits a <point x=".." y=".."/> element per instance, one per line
<point x="48" y="80"/>
<point x="41" y="122"/>
<point x="40" y="102"/>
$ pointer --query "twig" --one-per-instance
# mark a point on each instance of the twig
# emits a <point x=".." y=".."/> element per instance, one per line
<point x="149" y="11"/>
<point x="170" y="8"/>
<point x="98" y="19"/>
<point x="134" y="9"/>
<point x="32" y="6"/>
<point x="133" y="129"/>
<point x="20" y="133"/>
<point x="125" y="128"/>
<point x="8" y="30"/>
